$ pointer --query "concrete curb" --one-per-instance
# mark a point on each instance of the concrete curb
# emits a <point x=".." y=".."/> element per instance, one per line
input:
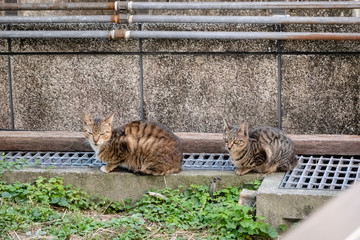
<point x="287" y="206"/>
<point x="119" y="184"/>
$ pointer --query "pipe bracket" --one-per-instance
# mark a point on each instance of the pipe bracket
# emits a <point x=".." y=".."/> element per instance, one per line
<point x="116" y="34"/>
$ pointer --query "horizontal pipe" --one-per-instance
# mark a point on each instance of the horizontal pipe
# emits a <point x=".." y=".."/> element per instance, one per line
<point x="57" y="19"/>
<point x="115" y="34"/>
<point x="242" y="35"/>
<point x="241" y="19"/>
<point x="125" y="5"/>
<point x="123" y="18"/>
<point x="62" y="6"/>
<point x="241" y="5"/>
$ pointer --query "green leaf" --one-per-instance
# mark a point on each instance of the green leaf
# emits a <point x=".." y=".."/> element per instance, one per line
<point x="6" y="195"/>
<point x="282" y="227"/>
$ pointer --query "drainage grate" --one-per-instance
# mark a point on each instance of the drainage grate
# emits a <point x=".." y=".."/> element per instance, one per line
<point x="312" y="172"/>
<point x="201" y="161"/>
<point x="207" y="161"/>
<point x="55" y="159"/>
<point x="323" y="172"/>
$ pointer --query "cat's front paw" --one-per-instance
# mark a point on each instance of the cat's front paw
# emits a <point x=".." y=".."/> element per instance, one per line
<point x="242" y="171"/>
<point x="103" y="169"/>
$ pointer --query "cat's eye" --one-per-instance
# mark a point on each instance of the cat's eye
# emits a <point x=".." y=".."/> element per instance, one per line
<point x="238" y="142"/>
<point x="90" y="133"/>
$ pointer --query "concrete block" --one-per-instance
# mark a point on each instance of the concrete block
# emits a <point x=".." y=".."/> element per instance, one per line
<point x="5" y="116"/>
<point x="321" y="94"/>
<point x="287" y="206"/>
<point x="54" y="90"/>
<point x="193" y="93"/>
<point x="120" y="184"/>
<point x="248" y="198"/>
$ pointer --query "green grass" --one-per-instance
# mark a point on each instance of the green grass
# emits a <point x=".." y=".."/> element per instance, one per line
<point x="48" y="208"/>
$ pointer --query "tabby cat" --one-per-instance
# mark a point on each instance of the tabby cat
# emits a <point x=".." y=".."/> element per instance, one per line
<point x="264" y="149"/>
<point x="140" y="146"/>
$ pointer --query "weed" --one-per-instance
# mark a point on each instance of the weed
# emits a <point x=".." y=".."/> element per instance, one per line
<point x="49" y="208"/>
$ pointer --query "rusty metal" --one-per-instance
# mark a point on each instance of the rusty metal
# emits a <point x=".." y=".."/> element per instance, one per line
<point x="116" y="34"/>
<point x="115" y="19"/>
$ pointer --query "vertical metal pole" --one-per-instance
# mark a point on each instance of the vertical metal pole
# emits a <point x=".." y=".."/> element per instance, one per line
<point x="142" y="105"/>
<point x="279" y="80"/>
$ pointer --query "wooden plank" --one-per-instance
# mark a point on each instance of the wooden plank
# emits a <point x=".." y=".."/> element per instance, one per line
<point x="327" y="144"/>
<point x="191" y="142"/>
<point x="43" y="141"/>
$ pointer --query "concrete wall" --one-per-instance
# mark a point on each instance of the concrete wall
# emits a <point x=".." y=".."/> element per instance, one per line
<point x="189" y="85"/>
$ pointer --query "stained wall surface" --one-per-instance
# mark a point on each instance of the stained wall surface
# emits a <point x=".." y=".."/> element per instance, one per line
<point x="306" y="87"/>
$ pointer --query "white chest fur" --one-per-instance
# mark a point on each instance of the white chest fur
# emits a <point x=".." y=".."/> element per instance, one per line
<point x="96" y="149"/>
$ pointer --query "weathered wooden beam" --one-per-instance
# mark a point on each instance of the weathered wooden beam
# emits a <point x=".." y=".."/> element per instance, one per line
<point x="191" y="142"/>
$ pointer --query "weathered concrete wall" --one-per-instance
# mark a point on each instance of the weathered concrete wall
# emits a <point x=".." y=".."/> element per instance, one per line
<point x="189" y="85"/>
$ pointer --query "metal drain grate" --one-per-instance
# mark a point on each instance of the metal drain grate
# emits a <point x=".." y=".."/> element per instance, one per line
<point x="55" y="159"/>
<point x="207" y="161"/>
<point x="329" y="173"/>
<point x="201" y="161"/>
<point x="312" y="172"/>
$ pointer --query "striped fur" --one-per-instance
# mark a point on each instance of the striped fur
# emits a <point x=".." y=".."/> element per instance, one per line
<point x="140" y="146"/>
<point x="263" y="150"/>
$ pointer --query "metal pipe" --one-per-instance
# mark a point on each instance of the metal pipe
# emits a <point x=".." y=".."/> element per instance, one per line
<point x="62" y="6"/>
<point x="57" y="19"/>
<point x="125" y="5"/>
<point x="123" y="18"/>
<point x="241" y="19"/>
<point x="240" y="5"/>
<point x="115" y="34"/>
<point x="242" y="35"/>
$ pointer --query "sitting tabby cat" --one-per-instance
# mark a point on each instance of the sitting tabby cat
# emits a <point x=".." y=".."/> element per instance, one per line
<point x="264" y="149"/>
<point x="140" y="146"/>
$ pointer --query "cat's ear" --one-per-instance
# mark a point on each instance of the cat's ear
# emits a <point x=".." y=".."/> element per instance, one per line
<point x="109" y="119"/>
<point x="243" y="129"/>
<point x="86" y="118"/>
<point x="227" y="126"/>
